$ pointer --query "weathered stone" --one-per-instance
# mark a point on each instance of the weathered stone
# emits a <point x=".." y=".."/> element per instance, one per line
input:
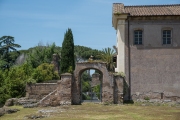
<point x="9" y="110"/>
<point x="30" y="105"/>
<point x="62" y="95"/>
<point x="95" y="79"/>
<point x="107" y="81"/>
<point x="2" y="111"/>
<point x="118" y="90"/>
<point x="24" y="101"/>
<point x="167" y="100"/>
<point x="11" y="102"/>
<point x="35" y="116"/>
<point x="39" y="90"/>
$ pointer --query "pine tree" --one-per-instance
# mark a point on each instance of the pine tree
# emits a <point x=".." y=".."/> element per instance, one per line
<point x="67" y="53"/>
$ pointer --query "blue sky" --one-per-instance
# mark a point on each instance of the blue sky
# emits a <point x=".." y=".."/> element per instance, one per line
<point x="45" y="21"/>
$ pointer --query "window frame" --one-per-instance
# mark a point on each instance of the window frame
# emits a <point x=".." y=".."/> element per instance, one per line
<point x="138" y="37"/>
<point x="166" y="36"/>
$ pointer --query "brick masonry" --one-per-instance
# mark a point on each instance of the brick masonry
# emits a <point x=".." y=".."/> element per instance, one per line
<point x="39" y="90"/>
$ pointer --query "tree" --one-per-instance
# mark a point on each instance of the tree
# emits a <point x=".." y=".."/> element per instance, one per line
<point x="107" y="56"/>
<point x="83" y="53"/>
<point x="85" y="80"/>
<point x="67" y="53"/>
<point x="41" y="54"/>
<point x="6" y="46"/>
<point x="13" y="82"/>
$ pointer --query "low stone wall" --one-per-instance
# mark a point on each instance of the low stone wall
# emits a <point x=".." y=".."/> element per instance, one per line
<point x="155" y="95"/>
<point x="39" y="90"/>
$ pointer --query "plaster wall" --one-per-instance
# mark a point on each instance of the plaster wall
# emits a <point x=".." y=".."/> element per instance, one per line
<point x="121" y="46"/>
<point x="154" y="67"/>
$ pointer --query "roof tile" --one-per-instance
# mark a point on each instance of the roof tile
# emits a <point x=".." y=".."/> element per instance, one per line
<point x="147" y="10"/>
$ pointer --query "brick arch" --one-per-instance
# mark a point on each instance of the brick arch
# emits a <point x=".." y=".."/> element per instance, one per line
<point x="107" y="82"/>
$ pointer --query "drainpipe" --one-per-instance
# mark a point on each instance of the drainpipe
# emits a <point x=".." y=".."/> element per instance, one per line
<point x="129" y="62"/>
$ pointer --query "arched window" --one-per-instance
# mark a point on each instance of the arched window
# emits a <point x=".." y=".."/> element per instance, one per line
<point x="138" y="37"/>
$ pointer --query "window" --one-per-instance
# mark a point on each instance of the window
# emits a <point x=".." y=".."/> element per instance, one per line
<point x="166" y="37"/>
<point x="138" y="37"/>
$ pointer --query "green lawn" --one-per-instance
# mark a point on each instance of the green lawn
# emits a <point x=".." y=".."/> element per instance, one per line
<point x="93" y="111"/>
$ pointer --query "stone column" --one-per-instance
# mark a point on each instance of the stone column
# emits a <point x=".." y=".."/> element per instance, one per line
<point x="118" y="89"/>
<point x="64" y="89"/>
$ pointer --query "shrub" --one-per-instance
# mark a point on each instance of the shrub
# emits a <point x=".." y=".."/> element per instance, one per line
<point x="45" y="72"/>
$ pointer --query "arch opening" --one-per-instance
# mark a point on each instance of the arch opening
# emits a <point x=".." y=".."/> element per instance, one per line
<point x="91" y="85"/>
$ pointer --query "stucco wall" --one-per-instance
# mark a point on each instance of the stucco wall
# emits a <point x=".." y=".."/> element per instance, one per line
<point x="154" y="67"/>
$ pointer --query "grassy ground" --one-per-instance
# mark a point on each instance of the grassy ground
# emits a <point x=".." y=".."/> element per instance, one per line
<point x="93" y="111"/>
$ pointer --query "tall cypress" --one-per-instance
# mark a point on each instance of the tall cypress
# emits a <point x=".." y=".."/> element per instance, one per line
<point x="67" y="53"/>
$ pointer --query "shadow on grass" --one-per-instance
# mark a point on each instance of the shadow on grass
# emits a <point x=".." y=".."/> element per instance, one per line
<point x="128" y="102"/>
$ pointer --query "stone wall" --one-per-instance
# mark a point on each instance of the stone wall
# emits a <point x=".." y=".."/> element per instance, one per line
<point x="62" y="94"/>
<point x="39" y="90"/>
<point x="95" y="79"/>
<point x="118" y="90"/>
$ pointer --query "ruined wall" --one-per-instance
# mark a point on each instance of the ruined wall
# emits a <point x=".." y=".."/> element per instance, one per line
<point x="95" y="79"/>
<point x="39" y="90"/>
<point x="107" y="82"/>
<point x="61" y="95"/>
<point x="155" y="68"/>
<point x="118" y="90"/>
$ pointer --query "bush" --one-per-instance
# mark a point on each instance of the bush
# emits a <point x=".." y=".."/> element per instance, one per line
<point x="45" y="72"/>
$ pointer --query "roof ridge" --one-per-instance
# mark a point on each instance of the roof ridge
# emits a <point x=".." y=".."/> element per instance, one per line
<point x="162" y="5"/>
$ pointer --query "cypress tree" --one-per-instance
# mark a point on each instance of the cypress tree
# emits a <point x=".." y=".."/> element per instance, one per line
<point x="67" y="53"/>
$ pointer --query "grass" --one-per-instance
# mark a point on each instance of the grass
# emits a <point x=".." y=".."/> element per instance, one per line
<point x="92" y="111"/>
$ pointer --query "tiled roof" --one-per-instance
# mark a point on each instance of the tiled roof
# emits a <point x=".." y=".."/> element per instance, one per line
<point x="147" y="10"/>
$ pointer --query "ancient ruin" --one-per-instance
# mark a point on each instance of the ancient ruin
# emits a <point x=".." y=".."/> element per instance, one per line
<point x="68" y="89"/>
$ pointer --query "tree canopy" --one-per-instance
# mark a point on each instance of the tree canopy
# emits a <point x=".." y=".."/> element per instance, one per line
<point x="107" y="56"/>
<point x="67" y="63"/>
<point x="41" y="54"/>
<point x="7" y="45"/>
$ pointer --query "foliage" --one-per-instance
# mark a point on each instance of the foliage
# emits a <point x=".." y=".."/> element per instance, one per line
<point x="3" y="96"/>
<point x="67" y="52"/>
<point x="119" y="74"/>
<point x="85" y="97"/>
<point x="83" y="53"/>
<point x="13" y="81"/>
<point x="85" y="80"/>
<point x="7" y="45"/>
<point x="45" y="72"/>
<point x="107" y="56"/>
<point x="96" y="89"/>
<point x="41" y="54"/>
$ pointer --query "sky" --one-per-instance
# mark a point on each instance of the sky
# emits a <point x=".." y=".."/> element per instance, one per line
<point x="45" y="21"/>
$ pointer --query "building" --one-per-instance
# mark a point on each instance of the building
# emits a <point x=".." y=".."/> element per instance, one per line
<point x="148" y="45"/>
